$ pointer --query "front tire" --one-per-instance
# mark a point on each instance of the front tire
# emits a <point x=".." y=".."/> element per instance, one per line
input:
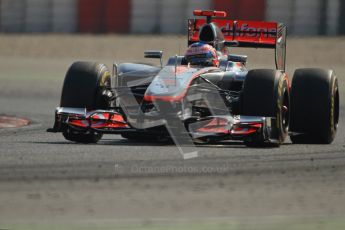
<point x="314" y="106"/>
<point x="83" y="87"/>
<point x="266" y="94"/>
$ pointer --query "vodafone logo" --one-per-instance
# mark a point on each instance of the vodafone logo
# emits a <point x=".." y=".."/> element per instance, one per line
<point x="245" y="30"/>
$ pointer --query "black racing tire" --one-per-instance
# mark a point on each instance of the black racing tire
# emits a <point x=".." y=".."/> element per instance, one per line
<point x="84" y="84"/>
<point x="83" y="87"/>
<point x="266" y="93"/>
<point x="314" y="106"/>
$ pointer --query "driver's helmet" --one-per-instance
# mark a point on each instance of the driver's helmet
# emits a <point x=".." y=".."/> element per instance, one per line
<point x="201" y="54"/>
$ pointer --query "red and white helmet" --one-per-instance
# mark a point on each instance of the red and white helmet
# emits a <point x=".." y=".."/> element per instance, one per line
<point x="202" y="54"/>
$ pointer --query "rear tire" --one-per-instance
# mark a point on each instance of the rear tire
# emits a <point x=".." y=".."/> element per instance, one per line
<point x="314" y="106"/>
<point x="83" y="87"/>
<point x="266" y="94"/>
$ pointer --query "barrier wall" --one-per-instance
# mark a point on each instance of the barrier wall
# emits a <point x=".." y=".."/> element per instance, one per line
<point x="145" y="16"/>
<point x="163" y="16"/>
<point x="18" y="16"/>
<point x="38" y="16"/>
<point x="333" y="13"/>
<point x="173" y="16"/>
<point x="90" y="16"/>
<point x="64" y="16"/>
<point x="281" y="11"/>
<point x="303" y="17"/>
<point x="117" y="16"/>
<point x="103" y="16"/>
<point x="306" y="17"/>
<point x="309" y="11"/>
<point x="12" y="16"/>
<point x="243" y="9"/>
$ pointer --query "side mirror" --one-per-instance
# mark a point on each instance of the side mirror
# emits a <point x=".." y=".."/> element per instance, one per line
<point x="154" y="54"/>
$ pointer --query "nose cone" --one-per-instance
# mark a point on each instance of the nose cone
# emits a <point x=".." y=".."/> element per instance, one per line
<point x="171" y="85"/>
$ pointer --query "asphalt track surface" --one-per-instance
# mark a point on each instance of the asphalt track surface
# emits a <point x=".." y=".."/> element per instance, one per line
<point x="43" y="176"/>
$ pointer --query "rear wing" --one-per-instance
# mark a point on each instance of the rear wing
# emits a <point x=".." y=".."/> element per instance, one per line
<point x="253" y="34"/>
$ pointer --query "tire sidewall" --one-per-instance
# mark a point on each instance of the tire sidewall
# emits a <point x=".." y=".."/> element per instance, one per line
<point x="282" y="89"/>
<point x="314" y="109"/>
<point x="91" y="79"/>
<point x="263" y="95"/>
<point x="332" y="111"/>
<point x="84" y="84"/>
<point x="103" y="83"/>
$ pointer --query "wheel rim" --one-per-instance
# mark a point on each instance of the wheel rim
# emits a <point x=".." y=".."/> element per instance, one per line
<point x="285" y="112"/>
<point x="336" y="110"/>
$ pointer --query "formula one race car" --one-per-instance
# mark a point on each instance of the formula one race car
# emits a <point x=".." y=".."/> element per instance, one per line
<point x="206" y="95"/>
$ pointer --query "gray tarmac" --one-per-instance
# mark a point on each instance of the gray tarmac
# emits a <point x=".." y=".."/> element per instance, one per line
<point x="44" y="177"/>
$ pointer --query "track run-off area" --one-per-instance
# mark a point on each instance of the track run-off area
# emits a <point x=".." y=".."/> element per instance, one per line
<point x="48" y="181"/>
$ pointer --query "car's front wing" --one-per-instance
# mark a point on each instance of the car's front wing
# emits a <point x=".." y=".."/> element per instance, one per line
<point x="214" y="127"/>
